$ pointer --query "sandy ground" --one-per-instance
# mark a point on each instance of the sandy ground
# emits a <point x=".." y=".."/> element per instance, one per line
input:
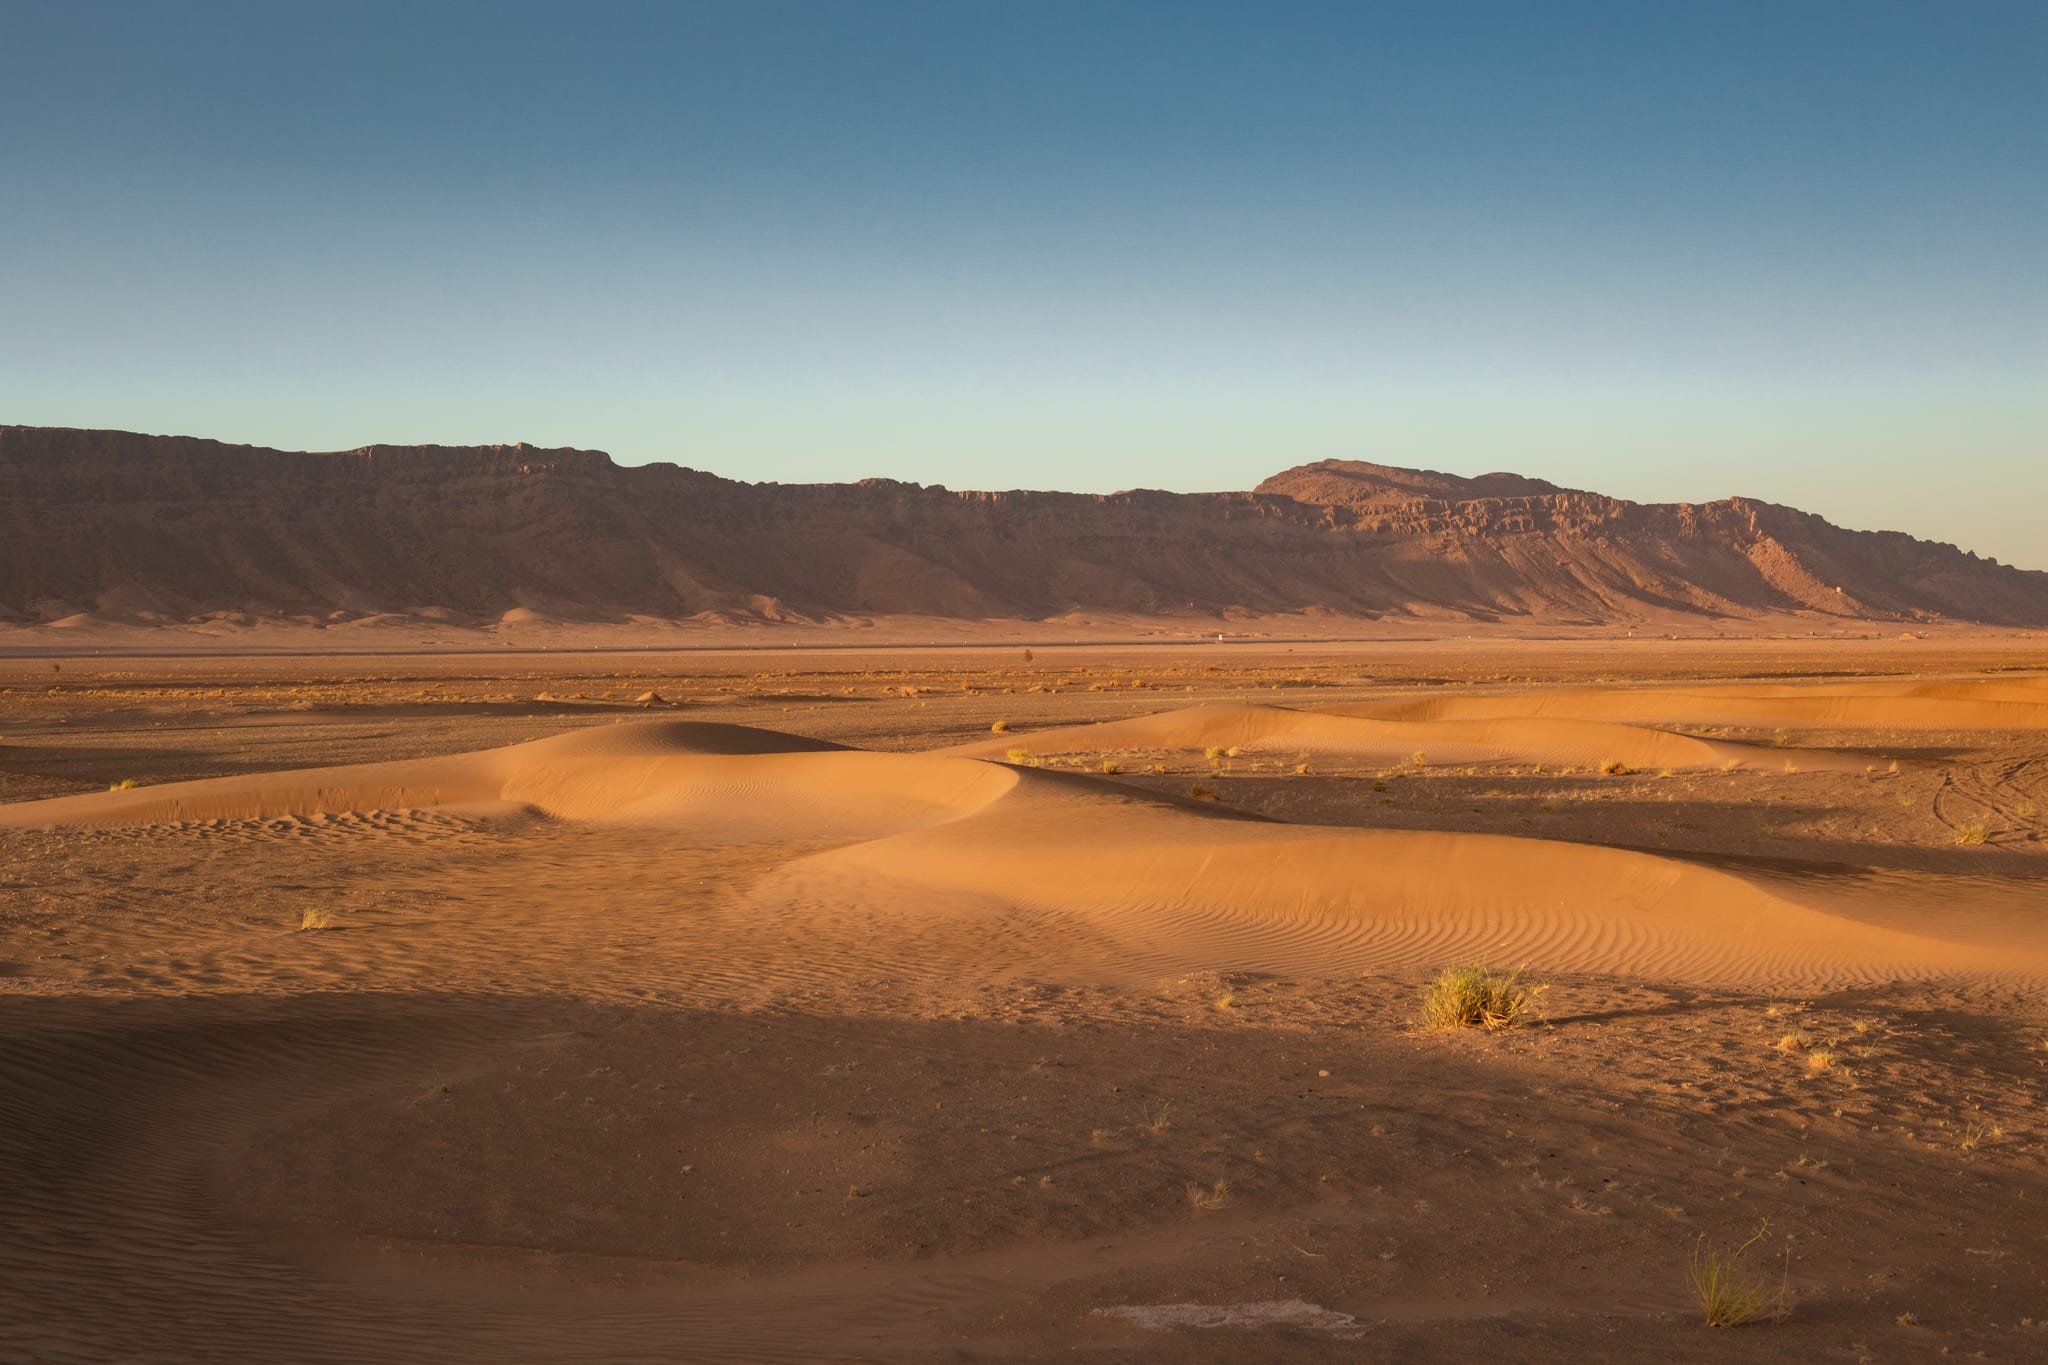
<point x="949" y="1005"/>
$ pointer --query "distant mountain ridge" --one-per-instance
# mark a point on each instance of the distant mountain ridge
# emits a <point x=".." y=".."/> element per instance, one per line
<point x="149" y="529"/>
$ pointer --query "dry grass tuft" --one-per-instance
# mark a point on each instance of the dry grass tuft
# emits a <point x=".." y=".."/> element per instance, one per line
<point x="1614" y="767"/>
<point x="1023" y="758"/>
<point x="126" y="784"/>
<point x="1001" y="727"/>
<point x="1731" y="1291"/>
<point x="1970" y="834"/>
<point x="1477" y="997"/>
<point x="1820" y="1059"/>
<point x="1216" y="1196"/>
<point x="311" y="919"/>
<point x="1110" y="767"/>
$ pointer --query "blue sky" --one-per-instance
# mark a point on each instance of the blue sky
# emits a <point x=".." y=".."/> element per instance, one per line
<point x="1793" y="250"/>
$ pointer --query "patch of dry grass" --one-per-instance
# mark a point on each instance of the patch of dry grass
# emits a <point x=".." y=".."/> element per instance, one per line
<point x="1732" y="1290"/>
<point x="1477" y="997"/>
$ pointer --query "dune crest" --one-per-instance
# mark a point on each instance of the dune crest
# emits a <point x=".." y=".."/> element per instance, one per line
<point x="1513" y="738"/>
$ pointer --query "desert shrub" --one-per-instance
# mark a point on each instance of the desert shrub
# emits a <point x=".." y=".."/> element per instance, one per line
<point x="1110" y="767"/>
<point x="1477" y="997"/>
<point x="1970" y="834"/>
<point x="1614" y="767"/>
<point x="311" y="918"/>
<point x="1001" y="727"/>
<point x="1732" y="1290"/>
<point x="126" y="784"/>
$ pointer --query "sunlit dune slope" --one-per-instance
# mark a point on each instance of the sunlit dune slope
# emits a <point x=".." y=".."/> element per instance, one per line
<point x="1509" y="738"/>
<point x="1141" y="883"/>
<point x="1879" y="706"/>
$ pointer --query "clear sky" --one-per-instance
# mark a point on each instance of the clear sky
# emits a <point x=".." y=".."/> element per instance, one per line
<point x="1793" y="249"/>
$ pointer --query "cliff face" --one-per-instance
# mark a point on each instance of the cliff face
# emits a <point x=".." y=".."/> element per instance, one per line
<point x="174" y="528"/>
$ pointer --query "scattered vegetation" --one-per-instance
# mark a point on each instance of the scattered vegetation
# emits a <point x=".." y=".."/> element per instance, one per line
<point x="1022" y="758"/>
<point x="1732" y="1290"/>
<point x="126" y="784"/>
<point x="1477" y="997"/>
<point x="1215" y="1196"/>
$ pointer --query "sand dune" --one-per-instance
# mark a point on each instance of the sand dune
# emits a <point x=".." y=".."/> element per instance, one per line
<point x="1175" y="884"/>
<point x="1843" y="706"/>
<point x="1508" y="739"/>
<point x="719" y="781"/>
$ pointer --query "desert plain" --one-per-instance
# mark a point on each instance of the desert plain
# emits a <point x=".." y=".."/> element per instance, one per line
<point x="1016" y="1003"/>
